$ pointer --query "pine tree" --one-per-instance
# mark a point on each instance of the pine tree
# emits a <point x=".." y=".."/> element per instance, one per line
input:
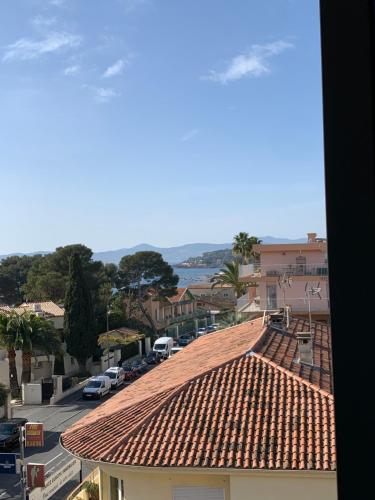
<point x="79" y="324"/>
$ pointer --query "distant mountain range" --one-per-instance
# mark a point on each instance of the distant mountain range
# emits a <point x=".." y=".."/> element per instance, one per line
<point x="173" y="255"/>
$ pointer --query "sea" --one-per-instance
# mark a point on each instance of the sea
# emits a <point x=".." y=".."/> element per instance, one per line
<point x="194" y="275"/>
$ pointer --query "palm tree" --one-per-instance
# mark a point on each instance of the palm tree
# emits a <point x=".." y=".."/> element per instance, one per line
<point x="8" y="342"/>
<point x="230" y="275"/>
<point x="33" y="333"/>
<point x="243" y="245"/>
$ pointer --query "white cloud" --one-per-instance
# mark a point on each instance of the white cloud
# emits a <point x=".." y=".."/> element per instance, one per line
<point x="189" y="135"/>
<point x="252" y="63"/>
<point x="105" y="94"/>
<point x="72" y="70"/>
<point x="43" y="22"/>
<point x="132" y="5"/>
<point x="102" y="94"/>
<point x="57" y="3"/>
<point x="26" y="49"/>
<point x="116" y="69"/>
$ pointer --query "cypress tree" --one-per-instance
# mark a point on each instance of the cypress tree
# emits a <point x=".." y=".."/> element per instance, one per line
<point x="79" y="324"/>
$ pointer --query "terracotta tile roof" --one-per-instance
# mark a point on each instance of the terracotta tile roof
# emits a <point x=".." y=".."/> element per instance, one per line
<point x="178" y="296"/>
<point x="282" y="348"/>
<point x="218" y="404"/>
<point x="48" y="307"/>
<point x="4" y="309"/>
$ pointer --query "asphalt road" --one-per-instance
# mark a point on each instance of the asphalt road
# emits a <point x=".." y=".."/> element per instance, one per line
<point x="56" y="419"/>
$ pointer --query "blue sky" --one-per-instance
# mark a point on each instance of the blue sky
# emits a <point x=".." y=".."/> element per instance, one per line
<point x="159" y="121"/>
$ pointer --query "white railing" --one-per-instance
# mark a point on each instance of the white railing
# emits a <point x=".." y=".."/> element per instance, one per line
<point x="318" y="269"/>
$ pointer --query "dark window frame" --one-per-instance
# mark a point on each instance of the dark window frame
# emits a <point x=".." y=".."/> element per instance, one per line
<point x="348" y="56"/>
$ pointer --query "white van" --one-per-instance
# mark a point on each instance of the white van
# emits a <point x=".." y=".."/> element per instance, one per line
<point x="163" y="346"/>
<point x="96" y="387"/>
<point x="117" y="376"/>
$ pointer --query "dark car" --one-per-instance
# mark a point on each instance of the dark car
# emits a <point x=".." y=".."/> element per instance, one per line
<point x="210" y="329"/>
<point x="10" y="433"/>
<point x="139" y="366"/>
<point x="129" y="373"/>
<point x="153" y="358"/>
<point x="185" y="339"/>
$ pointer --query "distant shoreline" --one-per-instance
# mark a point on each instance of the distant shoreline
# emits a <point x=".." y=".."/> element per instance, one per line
<point x="180" y="266"/>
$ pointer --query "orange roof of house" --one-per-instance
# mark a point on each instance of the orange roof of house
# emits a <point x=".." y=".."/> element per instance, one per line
<point x="229" y="399"/>
<point x="48" y="307"/>
<point x="208" y="285"/>
<point x="282" y="348"/>
<point x="178" y="296"/>
<point x="4" y="309"/>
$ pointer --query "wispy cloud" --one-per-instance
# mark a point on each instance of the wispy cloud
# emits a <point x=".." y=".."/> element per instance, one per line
<point x="72" y="70"/>
<point x="132" y="5"/>
<point x="253" y="63"/>
<point x="26" y="48"/>
<point x="189" y="135"/>
<point x="105" y="94"/>
<point x="116" y="69"/>
<point x="57" y="3"/>
<point x="102" y="94"/>
<point x="43" y="22"/>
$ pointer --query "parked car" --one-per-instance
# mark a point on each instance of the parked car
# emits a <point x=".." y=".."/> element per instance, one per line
<point x="152" y="358"/>
<point x="175" y="350"/>
<point x="97" y="387"/>
<point x="185" y="339"/>
<point x="163" y="346"/>
<point x="201" y="331"/>
<point x="216" y="326"/>
<point x="10" y="433"/>
<point x="210" y="329"/>
<point x="129" y="373"/>
<point x="139" y="366"/>
<point x="117" y="376"/>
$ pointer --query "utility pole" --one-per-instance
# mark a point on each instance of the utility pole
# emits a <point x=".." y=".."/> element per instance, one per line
<point x="22" y="460"/>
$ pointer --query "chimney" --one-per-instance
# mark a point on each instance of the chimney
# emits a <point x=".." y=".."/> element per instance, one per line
<point x="276" y="320"/>
<point x="311" y="237"/>
<point x="305" y="347"/>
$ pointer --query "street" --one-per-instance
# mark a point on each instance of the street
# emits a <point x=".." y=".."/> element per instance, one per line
<point x="56" y="419"/>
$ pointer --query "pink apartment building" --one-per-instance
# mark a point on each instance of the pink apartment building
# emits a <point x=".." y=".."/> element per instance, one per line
<point x="289" y="274"/>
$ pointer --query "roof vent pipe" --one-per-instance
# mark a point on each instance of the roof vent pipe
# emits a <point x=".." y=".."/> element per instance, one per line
<point x="305" y="347"/>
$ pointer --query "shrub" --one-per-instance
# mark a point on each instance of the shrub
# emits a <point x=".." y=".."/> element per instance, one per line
<point x="92" y="490"/>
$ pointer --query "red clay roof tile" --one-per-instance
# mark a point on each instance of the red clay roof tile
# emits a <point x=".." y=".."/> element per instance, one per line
<point x="215" y="406"/>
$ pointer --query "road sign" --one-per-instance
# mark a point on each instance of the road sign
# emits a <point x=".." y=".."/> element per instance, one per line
<point x="35" y="475"/>
<point x="34" y="435"/>
<point x="55" y="481"/>
<point x="8" y="463"/>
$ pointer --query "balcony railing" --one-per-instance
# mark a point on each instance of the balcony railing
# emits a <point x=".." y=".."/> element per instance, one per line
<point x="199" y="313"/>
<point x="295" y="270"/>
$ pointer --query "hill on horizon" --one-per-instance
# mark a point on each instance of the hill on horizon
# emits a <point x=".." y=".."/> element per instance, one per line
<point x="173" y="255"/>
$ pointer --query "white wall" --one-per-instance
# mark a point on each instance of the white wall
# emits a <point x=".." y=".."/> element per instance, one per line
<point x="32" y="394"/>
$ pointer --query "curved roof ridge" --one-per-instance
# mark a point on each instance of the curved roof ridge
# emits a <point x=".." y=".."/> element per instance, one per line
<point x="139" y="391"/>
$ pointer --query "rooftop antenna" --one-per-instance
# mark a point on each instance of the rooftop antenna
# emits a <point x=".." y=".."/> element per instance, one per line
<point x="285" y="282"/>
<point x="305" y="339"/>
<point x="311" y="291"/>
